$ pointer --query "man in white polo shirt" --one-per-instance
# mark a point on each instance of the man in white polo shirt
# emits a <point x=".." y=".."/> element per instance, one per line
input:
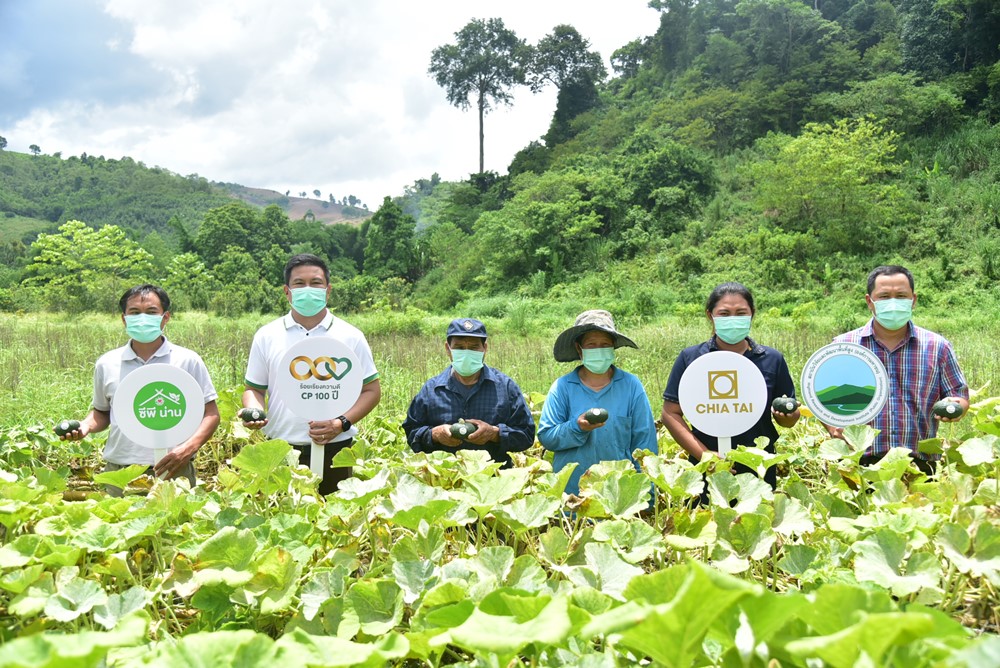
<point x="307" y="288"/>
<point x="145" y="313"/>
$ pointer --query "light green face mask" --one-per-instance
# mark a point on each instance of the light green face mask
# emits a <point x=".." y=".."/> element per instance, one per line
<point x="893" y="314"/>
<point x="144" y="327"/>
<point x="732" y="328"/>
<point x="597" y="360"/>
<point x="308" y="301"/>
<point x="467" y="362"/>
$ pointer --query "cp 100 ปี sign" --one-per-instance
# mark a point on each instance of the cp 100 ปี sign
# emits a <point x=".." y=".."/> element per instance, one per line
<point x="319" y="378"/>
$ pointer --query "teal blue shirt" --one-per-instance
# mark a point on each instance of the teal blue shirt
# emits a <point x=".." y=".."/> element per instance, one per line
<point x="630" y="424"/>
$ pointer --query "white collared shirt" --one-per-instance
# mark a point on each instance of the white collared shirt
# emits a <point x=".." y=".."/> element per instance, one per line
<point x="109" y="371"/>
<point x="269" y="346"/>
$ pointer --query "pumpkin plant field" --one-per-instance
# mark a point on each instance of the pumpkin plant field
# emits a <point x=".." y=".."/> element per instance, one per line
<point x="441" y="559"/>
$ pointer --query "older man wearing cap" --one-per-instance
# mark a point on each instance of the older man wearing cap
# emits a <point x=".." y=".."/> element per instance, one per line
<point x="569" y="426"/>
<point x="471" y="391"/>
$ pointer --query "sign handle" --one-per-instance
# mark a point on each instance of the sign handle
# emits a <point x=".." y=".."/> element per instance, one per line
<point x="725" y="445"/>
<point x="316" y="460"/>
<point x="159" y="453"/>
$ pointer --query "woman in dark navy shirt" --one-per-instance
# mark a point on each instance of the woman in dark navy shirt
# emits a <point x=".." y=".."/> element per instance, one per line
<point x="730" y="309"/>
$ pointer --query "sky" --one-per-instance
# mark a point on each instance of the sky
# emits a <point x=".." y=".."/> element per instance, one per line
<point x="297" y="95"/>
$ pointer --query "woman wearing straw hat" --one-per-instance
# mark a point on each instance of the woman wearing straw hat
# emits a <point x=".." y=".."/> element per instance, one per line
<point x="569" y="427"/>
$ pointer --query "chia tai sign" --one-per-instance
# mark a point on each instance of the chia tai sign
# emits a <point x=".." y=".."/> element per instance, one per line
<point x="158" y="406"/>
<point x="723" y="394"/>
<point x="319" y="378"/>
<point x="844" y="384"/>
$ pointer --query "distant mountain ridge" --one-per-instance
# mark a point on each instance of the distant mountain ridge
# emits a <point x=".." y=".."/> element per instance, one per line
<point x="846" y="399"/>
<point x="40" y="192"/>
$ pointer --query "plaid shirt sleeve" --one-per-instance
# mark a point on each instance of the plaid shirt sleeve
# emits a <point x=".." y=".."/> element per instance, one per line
<point x="952" y="380"/>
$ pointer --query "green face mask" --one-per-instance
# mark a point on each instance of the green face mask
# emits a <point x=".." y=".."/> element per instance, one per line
<point x="467" y="362"/>
<point x="308" y="301"/>
<point x="144" y="327"/>
<point x="598" y="360"/>
<point x="893" y="314"/>
<point x="732" y="328"/>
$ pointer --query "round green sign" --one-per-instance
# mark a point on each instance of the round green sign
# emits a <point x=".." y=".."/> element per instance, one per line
<point x="159" y="406"/>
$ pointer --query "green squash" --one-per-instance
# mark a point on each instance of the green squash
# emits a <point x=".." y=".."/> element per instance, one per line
<point x="66" y="427"/>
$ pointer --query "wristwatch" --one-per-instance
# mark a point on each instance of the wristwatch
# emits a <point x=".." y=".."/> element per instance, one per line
<point x="345" y="424"/>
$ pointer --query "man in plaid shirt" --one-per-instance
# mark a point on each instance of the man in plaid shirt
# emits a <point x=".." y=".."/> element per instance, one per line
<point x="921" y="365"/>
<point x="471" y="391"/>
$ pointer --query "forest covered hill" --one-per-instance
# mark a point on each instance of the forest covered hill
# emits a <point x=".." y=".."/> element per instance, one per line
<point x="788" y="144"/>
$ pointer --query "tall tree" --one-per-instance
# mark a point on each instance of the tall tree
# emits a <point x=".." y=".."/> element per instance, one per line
<point x="483" y="65"/>
<point x="3" y="143"/>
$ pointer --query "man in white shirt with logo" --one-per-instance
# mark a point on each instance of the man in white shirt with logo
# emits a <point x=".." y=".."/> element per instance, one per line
<point x="145" y="313"/>
<point x="307" y="287"/>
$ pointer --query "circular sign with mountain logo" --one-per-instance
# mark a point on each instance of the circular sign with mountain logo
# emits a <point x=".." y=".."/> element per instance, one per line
<point x="844" y="384"/>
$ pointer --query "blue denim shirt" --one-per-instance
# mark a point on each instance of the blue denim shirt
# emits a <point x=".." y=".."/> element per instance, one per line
<point x="494" y="399"/>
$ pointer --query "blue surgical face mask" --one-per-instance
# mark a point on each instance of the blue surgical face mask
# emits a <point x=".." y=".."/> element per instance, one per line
<point x="467" y="362"/>
<point x="597" y="360"/>
<point x="732" y="328"/>
<point x="893" y="314"/>
<point x="308" y="301"/>
<point x="144" y="327"/>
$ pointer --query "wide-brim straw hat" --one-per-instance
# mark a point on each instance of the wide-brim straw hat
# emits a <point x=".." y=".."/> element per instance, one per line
<point x="588" y="321"/>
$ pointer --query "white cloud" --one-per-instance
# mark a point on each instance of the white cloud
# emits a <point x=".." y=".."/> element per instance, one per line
<point x="331" y="95"/>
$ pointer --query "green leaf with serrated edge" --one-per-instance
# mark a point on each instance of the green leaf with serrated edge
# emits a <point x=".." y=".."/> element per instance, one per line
<point x="757" y="459"/>
<point x="930" y="446"/>
<point x="881" y="558"/>
<point x="554" y="546"/>
<point x="119" y="606"/>
<point x="32" y="601"/>
<point x="505" y="635"/>
<point x="983" y="651"/>
<point x="262" y="467"/>
<point x="243" y="648"/>
<point x="322" y="585"/>
<point x="275" y="579"/>
<point x="691" y="530"/>
<point x="591" y="600"/>
<point x="619" y="494"/>
<point x="526" y="574"/>
<point x="872" y="637"/>
<point x="749" y="535"/>
<point x="765" y="613"/>
<point x="676" y="478"/>
<point x="17" y="581"/>
<point x="671" y="632"/>
<point x="230" y="547"/>
<point x="892" y="466"/>
<point x="980" y="450"/>
<point x="427" y="544"/>
<point x="301" y="649"/>
<point x="634" y="540"/>
<point x="528" y="512"/>
<point x="86" y="649"/>
<point x="835" y="449"/>
<point x="361" y="491"/>
<point x="483" y="493"/>
<point x="554" y="484"/>
<point x="378" y="605"/>
<point x="493" y="563"/>
<point x="613" y="572"/>
<point x="122" y="477"/>
<point x="798" y="559"/>
<point x="413" y="577"/>
<point x="860" y="437"/>
<point x="74" y="597"/>
<point x="791" y="518"/>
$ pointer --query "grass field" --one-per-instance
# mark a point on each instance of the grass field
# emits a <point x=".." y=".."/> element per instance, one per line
<point x="46" y="361"/>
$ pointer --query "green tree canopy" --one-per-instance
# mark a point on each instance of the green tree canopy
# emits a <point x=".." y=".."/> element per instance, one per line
<point x="389" y="247"/>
